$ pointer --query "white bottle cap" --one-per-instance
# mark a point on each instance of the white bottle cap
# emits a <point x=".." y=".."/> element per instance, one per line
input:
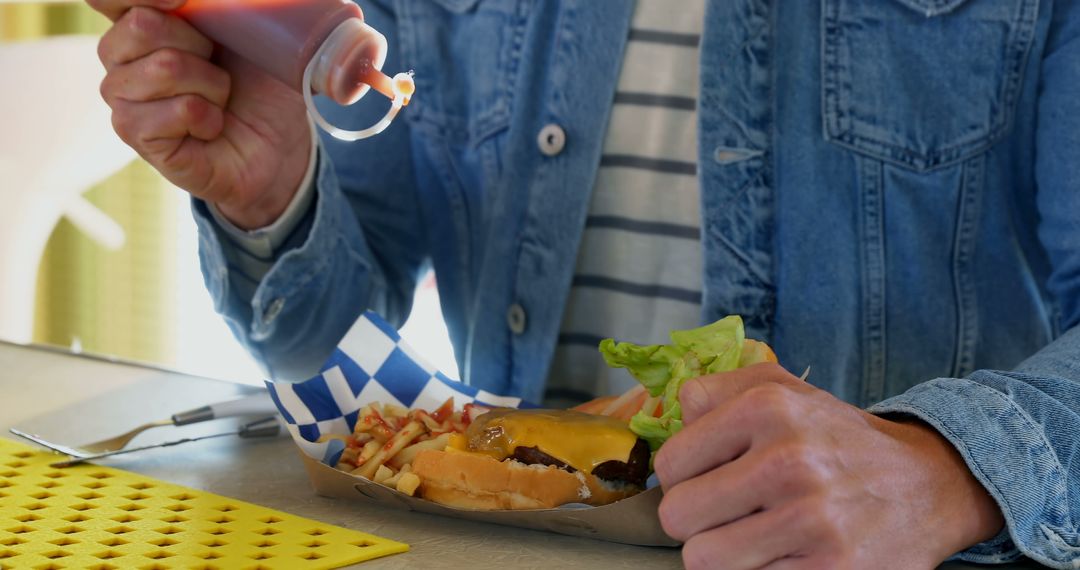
<point x="351" y="48"/>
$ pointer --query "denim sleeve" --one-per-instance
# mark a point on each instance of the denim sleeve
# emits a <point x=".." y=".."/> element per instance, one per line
<point x="1019" y="430"/>
<point x="361" y="245"/>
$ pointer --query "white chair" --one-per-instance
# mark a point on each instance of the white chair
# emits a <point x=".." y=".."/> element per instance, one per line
<point x="56" y="142"/>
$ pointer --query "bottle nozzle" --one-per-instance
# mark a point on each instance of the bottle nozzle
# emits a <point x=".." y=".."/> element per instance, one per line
<point x="400" y="85"/>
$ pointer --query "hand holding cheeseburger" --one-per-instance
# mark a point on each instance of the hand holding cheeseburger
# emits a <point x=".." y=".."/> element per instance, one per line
<point x="538" y="459"/>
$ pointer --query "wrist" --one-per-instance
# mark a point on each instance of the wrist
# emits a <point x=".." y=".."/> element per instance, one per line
<point x="255" y="210"/>
<point x="960" y="512"/>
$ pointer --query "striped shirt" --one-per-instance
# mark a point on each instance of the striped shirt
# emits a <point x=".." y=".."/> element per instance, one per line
<point x="639" y="269"/>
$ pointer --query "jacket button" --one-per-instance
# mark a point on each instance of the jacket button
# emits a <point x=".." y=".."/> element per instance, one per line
<point x="515" y="318"/>
<point x="552" y="140"/>
<point x="273" y="310"/>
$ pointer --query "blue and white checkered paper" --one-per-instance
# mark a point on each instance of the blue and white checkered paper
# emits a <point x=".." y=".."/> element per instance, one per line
<point x="370" y="364"/>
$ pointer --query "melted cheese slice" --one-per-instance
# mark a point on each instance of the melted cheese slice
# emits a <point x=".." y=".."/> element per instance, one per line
<point x="580" y="440"/>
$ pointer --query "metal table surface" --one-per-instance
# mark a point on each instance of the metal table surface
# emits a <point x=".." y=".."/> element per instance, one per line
<point x="74" y="399"/>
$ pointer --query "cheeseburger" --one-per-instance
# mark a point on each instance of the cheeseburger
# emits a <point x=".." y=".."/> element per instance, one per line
<point x="541" y="459"/>
<point x="535" y="459"/>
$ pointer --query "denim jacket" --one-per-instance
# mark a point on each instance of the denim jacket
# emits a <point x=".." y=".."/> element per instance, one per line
<point x="890" y="194"/>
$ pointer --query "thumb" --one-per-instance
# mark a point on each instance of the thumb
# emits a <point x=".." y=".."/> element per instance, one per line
<point x="701" y="395"/>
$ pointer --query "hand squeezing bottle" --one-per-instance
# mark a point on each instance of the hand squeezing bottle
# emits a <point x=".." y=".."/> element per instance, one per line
<point x="312" y="45"/>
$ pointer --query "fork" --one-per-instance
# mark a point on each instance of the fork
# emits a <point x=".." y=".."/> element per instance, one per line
<point x="120" y="441"/>
<point x="266" y="427"/>
<point x="248" y="406"/>
<point x="257" y="404"/>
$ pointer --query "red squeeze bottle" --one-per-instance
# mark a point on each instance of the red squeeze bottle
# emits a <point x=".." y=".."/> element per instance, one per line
<point x="311" y="45"/>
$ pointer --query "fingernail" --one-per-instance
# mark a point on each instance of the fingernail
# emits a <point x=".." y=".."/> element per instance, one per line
<point x="691" y="396"/>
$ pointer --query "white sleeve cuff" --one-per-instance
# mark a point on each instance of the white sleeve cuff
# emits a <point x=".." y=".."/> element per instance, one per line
<point x="263" y="242"/>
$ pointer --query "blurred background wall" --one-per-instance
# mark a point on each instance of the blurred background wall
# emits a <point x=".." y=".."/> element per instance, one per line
<point x="111" y="302"/>
<point x="143" y="301"/>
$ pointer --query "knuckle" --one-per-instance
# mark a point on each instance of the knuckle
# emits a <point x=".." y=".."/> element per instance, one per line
<point x="144" y="23"/>
<point x="220" y="82"/>
<point x="166" y="65"/>
<point x="104" y="49"/>
<point x="797" y="462"/>
<point x="125" y="126"/>
<point x="794" y="458"/>
<point x="192" y="109"/>
<point x="105" y="88"/>
<point x="768" y="397"/>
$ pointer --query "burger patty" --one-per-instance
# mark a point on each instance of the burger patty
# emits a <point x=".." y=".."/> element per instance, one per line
<point x="533" y="456"/>
<point x="634" y="471"/>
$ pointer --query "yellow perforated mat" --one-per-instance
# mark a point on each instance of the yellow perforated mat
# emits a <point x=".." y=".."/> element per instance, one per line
<point x="100" y="519"/>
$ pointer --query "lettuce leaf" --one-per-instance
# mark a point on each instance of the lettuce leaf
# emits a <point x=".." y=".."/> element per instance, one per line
<point x="663" y="369"/>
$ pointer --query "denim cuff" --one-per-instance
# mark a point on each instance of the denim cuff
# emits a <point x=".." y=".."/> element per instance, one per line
<point x="299" y="267"/>
<point x="213" y="259"/>
<point x="1009" y="454"/>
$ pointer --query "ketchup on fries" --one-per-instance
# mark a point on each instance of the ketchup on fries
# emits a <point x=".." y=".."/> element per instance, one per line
<point x="387" y="438"/>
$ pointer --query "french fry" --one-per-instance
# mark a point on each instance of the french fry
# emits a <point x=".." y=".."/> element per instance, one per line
<point x="364" y="412"/>
<point x="408" y="483"/>
<point x="358" y="440"/>
<point x="375" y="424"/>
<point x="407" y="455"/>
<point x="382" y="474"/>
<point x="395" y="444"/>
<point x="367" y="452"/>
<point x="387" y="438"/>
<point x="392" y="482"/>
<point x="443" y="412"/>
<point x="428" y="421"/>
<point x="382" y="432"/>
<point x="349" y="456"/>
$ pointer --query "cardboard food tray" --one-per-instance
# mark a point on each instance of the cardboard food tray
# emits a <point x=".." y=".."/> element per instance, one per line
<point x="373" y="364"/>
<point x="629" y="521"/>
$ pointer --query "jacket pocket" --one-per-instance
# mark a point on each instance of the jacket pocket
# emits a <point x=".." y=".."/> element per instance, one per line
<point x="465" y="54"/>
<point x="922" y="83"/>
